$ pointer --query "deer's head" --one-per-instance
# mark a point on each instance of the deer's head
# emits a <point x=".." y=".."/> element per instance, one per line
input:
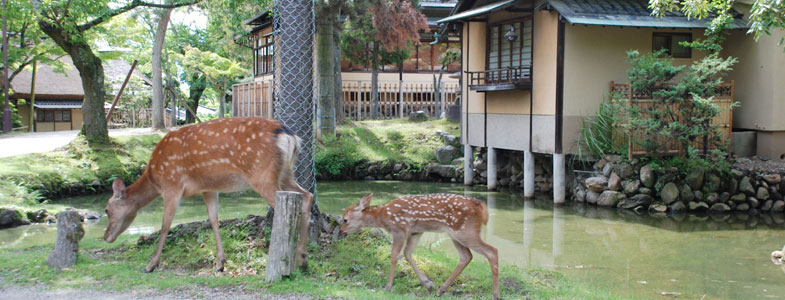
<point x="353" y="216"/>
<point x="120" y="211"/>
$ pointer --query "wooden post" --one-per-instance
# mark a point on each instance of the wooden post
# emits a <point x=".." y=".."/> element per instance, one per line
<point x="120" y="93"/>
<point x="285" y="233"/>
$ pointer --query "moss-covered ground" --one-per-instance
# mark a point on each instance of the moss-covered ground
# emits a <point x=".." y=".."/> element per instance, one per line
<point x="355" y="267"/>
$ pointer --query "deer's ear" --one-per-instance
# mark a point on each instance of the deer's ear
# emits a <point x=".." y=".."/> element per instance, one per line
<point x="118" y="188"/>
<point x="365" y="201"/>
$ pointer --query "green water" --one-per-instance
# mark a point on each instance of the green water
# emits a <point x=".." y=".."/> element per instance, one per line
<point x="715" y="257"/>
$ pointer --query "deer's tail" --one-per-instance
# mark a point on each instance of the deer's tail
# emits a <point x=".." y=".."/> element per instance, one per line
<point x="289" y="143"/>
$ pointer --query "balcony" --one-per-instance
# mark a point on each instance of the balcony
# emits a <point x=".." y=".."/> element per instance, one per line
<point x="510" y="78"/>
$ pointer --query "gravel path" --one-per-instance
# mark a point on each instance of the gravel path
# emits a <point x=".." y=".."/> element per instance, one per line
<point x="37" y="142"/>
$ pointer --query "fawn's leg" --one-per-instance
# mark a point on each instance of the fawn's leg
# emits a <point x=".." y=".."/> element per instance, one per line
<point x="411" y="243"/>
<point x="171" y="201"/>
<point x="477" y="244"/>
<point x="302" y="253"/>
<point x="398" y="240"/>
<point x="211" y="201"/>
<point x="464" y="257"/>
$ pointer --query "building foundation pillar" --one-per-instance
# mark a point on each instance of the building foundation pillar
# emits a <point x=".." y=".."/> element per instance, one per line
<point x="528" y="174"/>
<point x="559" y="188"/>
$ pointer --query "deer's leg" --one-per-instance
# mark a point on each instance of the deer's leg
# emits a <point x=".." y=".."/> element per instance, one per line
<point x="302" y="253"/>
<point x="211" y="201"/>
<point x="411" y="243"/>
<point x="476" y="243"/>
<point x="464" y="257"/>
<point x="171" y="201"/>
<point x="398" y="240"/>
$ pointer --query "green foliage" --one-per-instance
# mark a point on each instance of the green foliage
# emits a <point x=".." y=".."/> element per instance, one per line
<point x="74" y="168"/>
<point x="336" y="154"/>
<point x="359" y="45"/>
<point x="392" y="141"/>
<point x="765" y="16"/>
<point x="600" y="135"/>
<point x="682" y="108"/>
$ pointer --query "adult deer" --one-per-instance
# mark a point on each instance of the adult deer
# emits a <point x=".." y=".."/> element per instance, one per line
<point x="407" y="217"/>
<point x="218" y="156"/>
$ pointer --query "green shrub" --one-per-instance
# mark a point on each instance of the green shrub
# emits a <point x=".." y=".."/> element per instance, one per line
<point x="337" y="154"/>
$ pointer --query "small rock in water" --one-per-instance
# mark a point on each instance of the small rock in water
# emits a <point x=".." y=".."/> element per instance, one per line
<point x="69" y="233"/>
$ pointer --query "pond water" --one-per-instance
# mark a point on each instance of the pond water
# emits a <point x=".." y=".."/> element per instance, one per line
<point x="693" y="257"/>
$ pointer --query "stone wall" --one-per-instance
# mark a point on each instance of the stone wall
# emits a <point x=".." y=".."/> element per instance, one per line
<point x="642" y="187"/>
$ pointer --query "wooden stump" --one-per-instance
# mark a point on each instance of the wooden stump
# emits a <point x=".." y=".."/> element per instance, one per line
<point x="69" y="233"/>
<point x="285" y="234"/>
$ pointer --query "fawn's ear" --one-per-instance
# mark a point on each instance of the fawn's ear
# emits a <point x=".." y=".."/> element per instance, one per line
<point x="118" y="188"/>
<point x="365" y="201"/>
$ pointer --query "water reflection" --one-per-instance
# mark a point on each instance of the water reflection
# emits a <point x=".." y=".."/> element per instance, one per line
<point x="636" y="254"/>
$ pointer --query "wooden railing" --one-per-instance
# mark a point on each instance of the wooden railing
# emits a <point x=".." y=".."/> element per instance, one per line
<point x="643" y="101"/>
<point x="396" y="99"/>
<point x="135" y="117"/>
<point x="510" y="76"/>
<point x="252" y="99"/>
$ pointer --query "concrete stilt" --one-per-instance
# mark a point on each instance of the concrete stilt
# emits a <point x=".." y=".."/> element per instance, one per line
<point x="557" y="233"/>
<point x="528" y="174"/>
<point x="559" y="181"/>
<point x="491" y="169"/>
<point x="468" y="162"/>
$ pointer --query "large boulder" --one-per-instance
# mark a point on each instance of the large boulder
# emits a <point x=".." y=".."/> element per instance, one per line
<point x="773" y="178"/>
<point x="647" y="176"/>
<point x="712" y="183"/>
<point x="658" y="208"/>
<point x="669" y="193"/>
<point x="778" y="206"/>
<point x="69" y="233"/>
<point x="745" y="186"/>
<point x="678" y="206"/>
<point x="695" y="178"/>
<point x="635" y="201"/>
<point x="614" y="182"/>
<point x="625" y="170"/>
<point x="686" y="193"/>
<point x="762" y="194"/>
<point x="738" y="198"/>
<point x="596" y="184"/>
<point x="444" y="154"/>
<point x="418" y="116"/>
<point x="719" y="208"/>
<point x="446" y="171"/>
<point x="630" y="186"/>
<point x="610" y="198"/>
<point x="592" y="197"/>
<point x="10" y="217"/>
<point x="699" y="206"/>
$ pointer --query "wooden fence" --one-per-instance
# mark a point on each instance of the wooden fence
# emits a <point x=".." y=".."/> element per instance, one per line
<point x="252" y="99"/>
<point x="396" y="99"/>
<point x="643" y="102"/>
<point x="135" y="117"/>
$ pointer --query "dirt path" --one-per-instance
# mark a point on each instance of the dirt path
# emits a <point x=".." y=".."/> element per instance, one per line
<point x="221" y="293"/>
<point x="37" y="142"/>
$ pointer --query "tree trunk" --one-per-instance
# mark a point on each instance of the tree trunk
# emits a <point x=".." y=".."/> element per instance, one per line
<point x="91" y="72"/>
<point x="158" y="89"/>
<point x="221" y="103"/>
<point x="195" y="90"/>
<point x="337" y="82"/>
<point x="375" y="85"/>
<point x="325" y="55"/>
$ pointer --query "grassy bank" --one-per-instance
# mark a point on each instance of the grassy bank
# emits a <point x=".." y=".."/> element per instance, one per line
<point x="78" y="168"/>
<point x="354" y="268"/>
<point x="388" y="141"/>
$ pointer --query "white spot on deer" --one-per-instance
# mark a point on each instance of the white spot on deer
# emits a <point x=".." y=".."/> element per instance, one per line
<point x="253" y="136"/>
<point x="226" y="130"/>
<point x="247" y="140"/>
<point x="249" y="149"/>
<point x="166" y="164"/>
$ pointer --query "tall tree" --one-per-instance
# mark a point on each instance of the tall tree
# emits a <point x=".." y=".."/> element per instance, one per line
<point x="158" y="88"/>
<point x="68" y="24"/>
<point x="380" y="36"/>
<point x="219" y="72"/>
<point x="326" y="23"/>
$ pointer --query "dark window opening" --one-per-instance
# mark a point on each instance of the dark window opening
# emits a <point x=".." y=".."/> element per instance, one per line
<point x="263" y="55"/>
<point x="52" y="115"/>
<point x="671" y="42"/>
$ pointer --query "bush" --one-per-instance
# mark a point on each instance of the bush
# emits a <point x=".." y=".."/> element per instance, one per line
<point x="337" y="155"/>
